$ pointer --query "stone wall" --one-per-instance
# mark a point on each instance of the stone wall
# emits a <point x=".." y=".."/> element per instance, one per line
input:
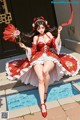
<point x="70" y="34"/>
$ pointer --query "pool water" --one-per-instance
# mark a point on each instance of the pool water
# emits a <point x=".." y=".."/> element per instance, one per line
<point x="31" y="97"/>
<point x="78" y="83"/>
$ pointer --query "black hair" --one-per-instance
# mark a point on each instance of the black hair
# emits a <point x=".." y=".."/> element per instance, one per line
<point x="38" y="23"/>
<point x="28" y="38"/>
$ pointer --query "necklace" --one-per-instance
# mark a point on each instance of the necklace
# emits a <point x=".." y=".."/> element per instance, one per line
<point x="43" y="38"/>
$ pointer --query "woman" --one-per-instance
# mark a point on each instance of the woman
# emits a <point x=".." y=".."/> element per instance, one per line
<point x="43" y="65"/>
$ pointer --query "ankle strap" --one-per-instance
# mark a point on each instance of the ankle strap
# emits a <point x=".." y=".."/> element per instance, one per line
<point x="42" y="104"/>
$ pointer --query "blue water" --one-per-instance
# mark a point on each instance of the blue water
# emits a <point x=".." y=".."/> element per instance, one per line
<point x="31" y="97"/>
<point x="78" y="83"/>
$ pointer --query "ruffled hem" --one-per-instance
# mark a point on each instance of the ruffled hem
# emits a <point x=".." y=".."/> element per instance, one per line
<point x="78" y="65"/>
<point x="27" y="75"/>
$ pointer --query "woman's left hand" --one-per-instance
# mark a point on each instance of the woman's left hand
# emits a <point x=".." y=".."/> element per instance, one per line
<point x="59" y="29"/>
<point x="21" y="45"/>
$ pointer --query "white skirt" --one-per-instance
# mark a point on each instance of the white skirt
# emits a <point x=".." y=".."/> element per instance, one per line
<point x="28" y="75"/>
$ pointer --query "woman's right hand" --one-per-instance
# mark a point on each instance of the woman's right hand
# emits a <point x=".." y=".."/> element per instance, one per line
<point x="21" y="45"/>
<point x="59" y="29"/>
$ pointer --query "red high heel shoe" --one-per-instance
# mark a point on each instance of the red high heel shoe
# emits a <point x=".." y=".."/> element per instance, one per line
<point x="45" y="98"/>
<point x="44" y="114"/>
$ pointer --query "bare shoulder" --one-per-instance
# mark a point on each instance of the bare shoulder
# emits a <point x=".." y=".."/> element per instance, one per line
<point x="50" y="34"/>
<point x="35" y="38"/>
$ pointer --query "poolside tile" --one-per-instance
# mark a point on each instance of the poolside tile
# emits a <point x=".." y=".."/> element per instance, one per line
<point x="70" y="106"/>
<point x="48" y="117"/>
<point x="18" y="89"/>
<point x="2" y="93"/>
<point x="53" y="114"/>
<point x="76" y="86"/>
<point x="76" y="97"/>
<point x="19" y="112"/>
<point x="56" y="114"/>
<point x="74" y="114"/>
<point x="34" y="116"/>
<point x="66" y="101"/>
<point x="3" y="103"/>
<point x="19" y="118"/>
<point x="73" y="78"/>
<point x="34" y="108"/>
<point x="68" y="118"/>
<point x="29" y="117"/>
<point x="5" y="84"/>
<point x="52" y="104"/>
<point x="2" y="76"/>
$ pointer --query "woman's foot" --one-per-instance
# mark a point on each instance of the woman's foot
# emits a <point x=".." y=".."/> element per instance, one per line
<point x="43" y="110"/>
<point x="45" y="97"/>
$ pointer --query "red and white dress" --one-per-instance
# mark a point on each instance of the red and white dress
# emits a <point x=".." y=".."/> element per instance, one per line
<point x="65" y="64"/>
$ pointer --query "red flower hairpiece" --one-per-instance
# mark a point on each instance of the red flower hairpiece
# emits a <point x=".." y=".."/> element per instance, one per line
<point x="35" y="19"/>
<point x="38" y="19"/>
<point x="42" y="17"/>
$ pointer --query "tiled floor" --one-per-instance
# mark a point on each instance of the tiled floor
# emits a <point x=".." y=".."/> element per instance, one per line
<point x="65" y="112"/>
<point x="73" y="111"/>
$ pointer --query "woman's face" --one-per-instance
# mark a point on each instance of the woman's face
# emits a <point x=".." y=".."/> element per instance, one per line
<point x="41" y="29"/>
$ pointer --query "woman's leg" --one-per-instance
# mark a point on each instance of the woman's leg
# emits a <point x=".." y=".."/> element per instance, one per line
<point x="39" y="72"/>
<point x="48" y="66"/>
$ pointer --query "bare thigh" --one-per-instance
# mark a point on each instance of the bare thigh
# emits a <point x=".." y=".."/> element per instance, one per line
<point x="38" y="68"/>
<point x="48" y="66"/>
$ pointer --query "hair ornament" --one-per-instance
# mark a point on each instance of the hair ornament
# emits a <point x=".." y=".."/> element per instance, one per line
<point x="42" y="17"/>
<point x="39" y="19"/>
<point x="35" y="19"/>
<point x="33" y="25"/>
<point x="46" y="22"/>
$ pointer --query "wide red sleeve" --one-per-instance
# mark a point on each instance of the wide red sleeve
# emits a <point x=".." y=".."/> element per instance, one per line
<point x="56" y="45"/>
<point x="31" y="51"/>
<point x="53" y="43"/>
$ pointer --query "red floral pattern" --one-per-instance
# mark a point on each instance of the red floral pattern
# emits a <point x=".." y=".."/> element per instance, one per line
<point x="8" y="33"/>
<point x="16" y="66"/>
<point x="69" y="63"/>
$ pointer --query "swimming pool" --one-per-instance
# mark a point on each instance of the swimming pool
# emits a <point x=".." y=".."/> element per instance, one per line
<point x="31" y="97"/>
<point x="78" y="82"/>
